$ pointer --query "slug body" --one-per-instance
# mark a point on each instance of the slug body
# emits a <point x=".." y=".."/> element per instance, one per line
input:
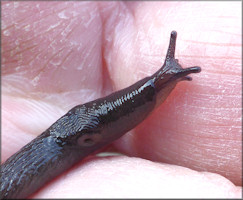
<point x="88" y="127"/>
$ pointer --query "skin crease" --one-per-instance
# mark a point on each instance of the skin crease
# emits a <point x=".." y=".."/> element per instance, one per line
<point x="60" y="54"/>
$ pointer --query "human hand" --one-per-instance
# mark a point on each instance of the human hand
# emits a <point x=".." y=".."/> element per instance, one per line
<point x="60" y="54"/>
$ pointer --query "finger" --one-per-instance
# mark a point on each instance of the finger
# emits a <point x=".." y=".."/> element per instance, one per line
<point x="199" y="126"/>
<point x="123" y="177"/>
<point x="51" y="62"/>
<point x="53" y="49"/>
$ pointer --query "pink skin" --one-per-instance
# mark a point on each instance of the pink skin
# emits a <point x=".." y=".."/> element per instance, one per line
<point x="56" y="55"/>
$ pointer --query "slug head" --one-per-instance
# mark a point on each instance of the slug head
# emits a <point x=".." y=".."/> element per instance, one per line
<point x="166" y="78"/>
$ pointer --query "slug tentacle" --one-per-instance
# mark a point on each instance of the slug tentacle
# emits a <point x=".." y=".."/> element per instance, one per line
<point x="166" y="78"/>
<point x="172" y="71"/>
<point x="171" y="50"/>
<point x="184" y="72"/>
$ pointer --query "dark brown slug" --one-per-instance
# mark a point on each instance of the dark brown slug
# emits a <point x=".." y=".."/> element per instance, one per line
<point x="88" y="127"/>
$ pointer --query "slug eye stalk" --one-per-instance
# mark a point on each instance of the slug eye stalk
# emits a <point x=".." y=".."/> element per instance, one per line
<point x="171" y="50"/>
<point x="166" y="78"/>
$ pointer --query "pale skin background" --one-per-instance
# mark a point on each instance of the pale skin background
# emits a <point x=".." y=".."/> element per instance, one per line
<point x="56" y="55"/>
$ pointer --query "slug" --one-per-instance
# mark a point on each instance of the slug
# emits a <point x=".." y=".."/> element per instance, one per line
<point x="88" y="127"/>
